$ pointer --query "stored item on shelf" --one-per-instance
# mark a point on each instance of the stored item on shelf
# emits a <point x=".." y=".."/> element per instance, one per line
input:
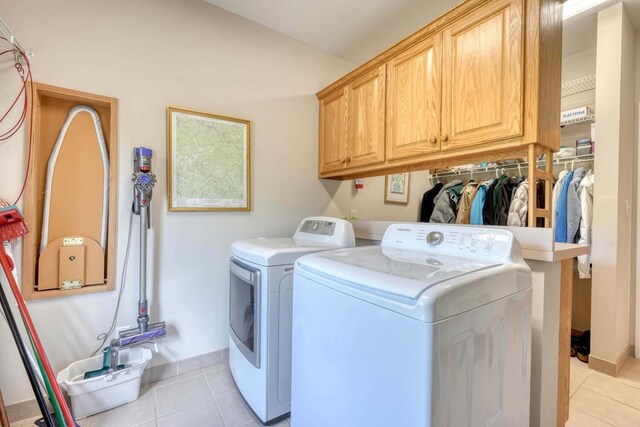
<point x="565" y="152"/>
<point x="583" y="146"/>
<point x="583" y="150"/>
<point x="575" y="113"/>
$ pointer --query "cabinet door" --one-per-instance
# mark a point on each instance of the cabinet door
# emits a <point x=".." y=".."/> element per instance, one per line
<point x="413" y="101"/>
<point x="333" y="131"/>
<point x="482" y="76"/>
<point x="366" y="123"/>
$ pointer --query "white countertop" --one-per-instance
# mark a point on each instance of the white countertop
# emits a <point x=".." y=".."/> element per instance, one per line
<point x="537" y="243"/>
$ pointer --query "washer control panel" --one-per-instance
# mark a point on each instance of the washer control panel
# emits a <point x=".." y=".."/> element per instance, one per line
<point x="434" y="238"/>
<point x="450" y="240"/>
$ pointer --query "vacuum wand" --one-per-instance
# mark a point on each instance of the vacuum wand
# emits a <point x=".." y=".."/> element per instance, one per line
<point x="143" y="181"/>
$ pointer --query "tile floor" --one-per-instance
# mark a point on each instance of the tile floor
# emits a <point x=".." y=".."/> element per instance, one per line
<point x="205" y="397"/>
<point x="208" y="397"/>
<point x="600" y="400"/>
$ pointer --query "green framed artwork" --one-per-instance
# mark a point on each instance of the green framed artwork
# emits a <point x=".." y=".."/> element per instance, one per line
<point x="396" y="188"/>
<point x="208" y="161"/>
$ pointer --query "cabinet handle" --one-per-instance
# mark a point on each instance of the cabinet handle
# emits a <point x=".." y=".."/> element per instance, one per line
<point x="433" y="140"/>
<point x="445" y="138"/>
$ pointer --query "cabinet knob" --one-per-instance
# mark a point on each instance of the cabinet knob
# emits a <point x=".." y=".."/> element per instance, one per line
<point x="433" y="140"/>
<point x="348" y="159"/>
<point x="343" y="160"/>
<point x="445" y="138"/>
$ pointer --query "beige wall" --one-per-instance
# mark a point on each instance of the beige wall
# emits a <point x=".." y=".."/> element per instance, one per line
<point x="369" y="201"/>
<point x="611" y="219"/>
<point x="151" y="54"/>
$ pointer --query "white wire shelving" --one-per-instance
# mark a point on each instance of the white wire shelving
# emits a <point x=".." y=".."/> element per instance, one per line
<point x="589" y="118"/>
<point x="520" y="166"/>
<point x="582" y="84"/>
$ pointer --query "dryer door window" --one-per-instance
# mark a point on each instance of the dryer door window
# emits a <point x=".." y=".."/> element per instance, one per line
<point x="244" y="310"/>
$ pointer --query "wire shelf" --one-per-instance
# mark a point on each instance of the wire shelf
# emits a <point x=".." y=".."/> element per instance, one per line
<point x="589" y="118"/>
<point x="521" y="167"/>
<point x="582" y="84"/>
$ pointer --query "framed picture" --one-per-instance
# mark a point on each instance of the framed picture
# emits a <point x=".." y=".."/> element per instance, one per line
<point x="396" y="188"/>
<point x="208" y="162"/>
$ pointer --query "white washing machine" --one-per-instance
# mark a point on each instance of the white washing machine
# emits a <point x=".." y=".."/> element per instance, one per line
<point x="260" y="306"/>
<point x="432" y="328"/>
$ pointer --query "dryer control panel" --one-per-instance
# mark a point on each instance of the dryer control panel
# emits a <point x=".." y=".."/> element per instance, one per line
<point x="325" y="230"/>
<point x="316" y="226"/>
<point x="472" y="242"/>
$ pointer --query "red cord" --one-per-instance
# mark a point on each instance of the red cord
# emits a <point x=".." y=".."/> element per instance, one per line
<point x="36" y="340"/>
<point x="27" y="106"/>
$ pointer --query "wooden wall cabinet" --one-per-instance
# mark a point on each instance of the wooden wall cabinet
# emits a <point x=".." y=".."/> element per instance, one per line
<point x="352" y="124"/>
<point x="413" y="100"/>
<point x="482" y="76"/>
<point x="333" y="130"/>
<point x="480" y="83"/>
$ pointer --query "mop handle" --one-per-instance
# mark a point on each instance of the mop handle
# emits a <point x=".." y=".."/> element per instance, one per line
<point x="34" y="336"/>
<point x="22" y="350"/>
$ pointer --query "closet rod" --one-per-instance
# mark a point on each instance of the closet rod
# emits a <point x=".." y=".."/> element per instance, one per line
<point x="522" y="167"/>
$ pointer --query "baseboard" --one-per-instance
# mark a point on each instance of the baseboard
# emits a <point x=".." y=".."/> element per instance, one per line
<point x="29" y="408"/>
<point x="611" y="368"/>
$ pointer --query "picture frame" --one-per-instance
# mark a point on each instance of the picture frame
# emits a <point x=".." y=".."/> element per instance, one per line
<point x="396" y="188"/>
<point x="208" y="161"/>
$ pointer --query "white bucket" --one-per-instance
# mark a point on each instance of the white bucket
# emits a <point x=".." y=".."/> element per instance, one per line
<point x="98" y="394"/>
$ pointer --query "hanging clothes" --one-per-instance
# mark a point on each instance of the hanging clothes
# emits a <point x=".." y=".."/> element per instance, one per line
<point x="519" y="206"/>
<point x="585" y="194"/>
<point x="561" y="218"/>
<point x="426" y="208"/>
<point x="555" y="195"/>
<point x="466" y="197"/>
<point x="446" y="203"/>
<point x="477" y="205"/>
<point x="488" y="210"/>
<point x="503" y="199"/>
<point x="540" y="203"/>
<point x="573" y="206"/>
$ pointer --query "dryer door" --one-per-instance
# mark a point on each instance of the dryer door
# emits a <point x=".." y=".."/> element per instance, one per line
<point x="244" y="309"/>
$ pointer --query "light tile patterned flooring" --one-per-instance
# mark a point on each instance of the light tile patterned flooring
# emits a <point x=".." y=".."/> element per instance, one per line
<point x="600" y="400"/>
<point x="205" y="397"/>
<point x="208" y="397"/>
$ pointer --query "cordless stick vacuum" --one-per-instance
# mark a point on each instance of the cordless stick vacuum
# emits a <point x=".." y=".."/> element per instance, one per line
<point x="143" y="181"/>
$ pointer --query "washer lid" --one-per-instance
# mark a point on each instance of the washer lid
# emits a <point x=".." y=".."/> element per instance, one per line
<point x="276" y="251"/>
<point x="393" y="272"/>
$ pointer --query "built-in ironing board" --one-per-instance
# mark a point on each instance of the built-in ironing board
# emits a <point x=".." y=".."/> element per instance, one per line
<point x="76" y="205"/>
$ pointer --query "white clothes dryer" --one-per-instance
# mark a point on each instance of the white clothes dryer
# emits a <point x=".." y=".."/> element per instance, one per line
<point x="432" y="328"/>
<point x="260" y="307"/>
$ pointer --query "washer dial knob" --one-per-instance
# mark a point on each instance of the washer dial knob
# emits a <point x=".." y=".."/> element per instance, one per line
<point x="434" y="238"/>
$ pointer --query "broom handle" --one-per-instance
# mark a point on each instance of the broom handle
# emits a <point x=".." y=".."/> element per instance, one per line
<point x="34" y="336"/>
<point x="13" y="327"/>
